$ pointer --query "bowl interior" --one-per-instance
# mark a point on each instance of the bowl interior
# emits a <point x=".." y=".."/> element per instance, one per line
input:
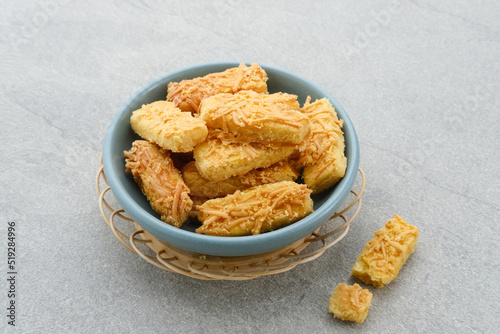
<point x="120" y="136"/>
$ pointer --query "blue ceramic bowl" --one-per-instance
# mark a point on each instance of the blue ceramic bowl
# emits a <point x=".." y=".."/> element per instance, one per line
<point x="120" y="136"/>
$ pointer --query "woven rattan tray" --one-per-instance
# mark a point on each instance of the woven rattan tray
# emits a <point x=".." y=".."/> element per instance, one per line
<point x="209" y="267"/>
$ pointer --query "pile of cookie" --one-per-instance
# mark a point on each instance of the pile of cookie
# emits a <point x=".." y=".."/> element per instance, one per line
<point x="222" y="149"/>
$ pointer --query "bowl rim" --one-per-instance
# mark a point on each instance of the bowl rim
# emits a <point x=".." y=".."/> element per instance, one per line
<point x="230" y="246"/>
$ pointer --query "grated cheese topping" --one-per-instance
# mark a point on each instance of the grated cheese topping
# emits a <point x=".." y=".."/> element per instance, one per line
<point x="255" y="210"/>
<point x="325" y="131"/>
<point x="385" y="254"/>
<point x="261" y="117"/>
<point x="188" y="94"/>
<point x="350" y="302"/>
<point x="159" y="180"/>
<point x="164" y="124"/>
<point x="218" y="160"/>
<point x="199" y="186"/>
<point x="386" y="247"/>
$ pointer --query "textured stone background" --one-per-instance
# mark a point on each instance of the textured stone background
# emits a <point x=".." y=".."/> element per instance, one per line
<point x="418" y="79"/>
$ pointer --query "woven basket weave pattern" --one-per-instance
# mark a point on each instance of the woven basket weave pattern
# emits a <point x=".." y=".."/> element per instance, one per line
<point x="209" y="267"/>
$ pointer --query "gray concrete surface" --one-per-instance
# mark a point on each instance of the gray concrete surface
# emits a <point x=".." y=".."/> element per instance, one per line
<point x="419" y="80"/>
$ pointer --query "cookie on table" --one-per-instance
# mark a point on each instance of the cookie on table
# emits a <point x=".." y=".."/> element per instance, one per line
<point x="384" y="255"/>
<point x="350" y="302"/>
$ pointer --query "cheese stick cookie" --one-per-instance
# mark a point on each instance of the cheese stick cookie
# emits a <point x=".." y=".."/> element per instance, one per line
<point x="385" y="254"/>
<point x="218" y="160"/>
<point x="255" y="210"/>
<point x="159" y="180"/>
<point x="188" y="94"/>
<point x="322" y="152"/>
<point x="350" y="302"/>
<point x="258" y="116"/>
<point x="199" y="186"/>
<point x="164" y="124"/>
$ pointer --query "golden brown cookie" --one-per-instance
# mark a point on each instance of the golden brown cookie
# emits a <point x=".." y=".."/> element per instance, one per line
<point x="159" y="180"/>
